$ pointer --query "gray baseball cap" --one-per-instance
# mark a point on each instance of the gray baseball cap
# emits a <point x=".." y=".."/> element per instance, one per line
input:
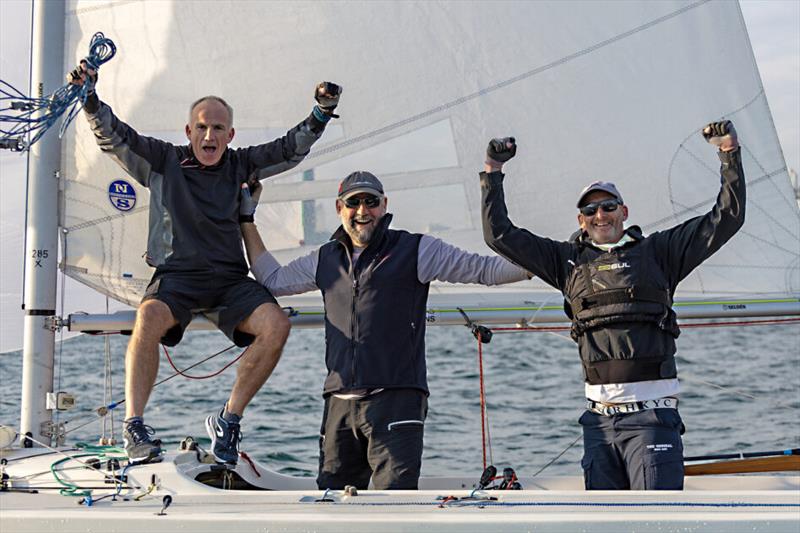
<point x="605" y="186"/>
<point x="358" y="182"/>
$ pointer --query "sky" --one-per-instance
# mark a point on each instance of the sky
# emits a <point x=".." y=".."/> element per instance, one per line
<point x="773" y="26"/>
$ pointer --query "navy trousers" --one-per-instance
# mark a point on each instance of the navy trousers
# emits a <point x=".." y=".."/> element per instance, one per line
<point x="636" y="451"/>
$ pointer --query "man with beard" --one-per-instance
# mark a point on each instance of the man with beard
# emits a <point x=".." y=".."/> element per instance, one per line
<point x="374" y="282"/>
<point x="618" y="287"/>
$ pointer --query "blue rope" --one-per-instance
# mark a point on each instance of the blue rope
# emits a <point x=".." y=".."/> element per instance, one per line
<point x="34" y="116"/>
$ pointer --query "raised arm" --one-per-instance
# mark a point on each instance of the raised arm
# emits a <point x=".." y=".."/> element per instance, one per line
<point x="137" y="154"/>
<point x="286" y="152"/>
<point x="687" y="245"/>
<point x="540" y="256"/>
<point x="297" y="277"/>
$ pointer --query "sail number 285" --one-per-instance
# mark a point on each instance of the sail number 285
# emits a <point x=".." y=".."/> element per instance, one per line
<point x="38" y="255"/>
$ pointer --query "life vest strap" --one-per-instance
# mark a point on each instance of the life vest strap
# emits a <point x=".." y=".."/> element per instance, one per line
<point x="618" y="296"/>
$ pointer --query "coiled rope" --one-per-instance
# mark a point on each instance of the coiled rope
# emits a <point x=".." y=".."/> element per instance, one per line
<point x="22" y="116"/>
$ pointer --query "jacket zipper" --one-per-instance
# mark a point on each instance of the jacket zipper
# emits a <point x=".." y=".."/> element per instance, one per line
<point x="354" y="331"/>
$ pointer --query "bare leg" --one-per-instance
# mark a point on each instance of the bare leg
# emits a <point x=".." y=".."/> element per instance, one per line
<point x="153" y="320"/>
<point x="269" y="325"/>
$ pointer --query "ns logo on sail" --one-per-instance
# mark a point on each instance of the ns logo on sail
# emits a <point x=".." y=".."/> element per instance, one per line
<point x="122" y="195"/>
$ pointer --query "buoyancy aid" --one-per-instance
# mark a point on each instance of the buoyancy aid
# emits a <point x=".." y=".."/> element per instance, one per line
<point x="623" y="285"/>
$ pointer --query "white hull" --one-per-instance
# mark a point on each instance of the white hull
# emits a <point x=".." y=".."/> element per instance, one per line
<point x="720" y="503"/>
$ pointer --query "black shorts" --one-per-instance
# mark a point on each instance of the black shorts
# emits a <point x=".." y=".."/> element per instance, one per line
<point x="225" y="300"/>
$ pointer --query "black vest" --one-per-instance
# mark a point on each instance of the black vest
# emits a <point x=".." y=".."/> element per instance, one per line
<point x="374" y="312"/>
<point x="623" y="286"/>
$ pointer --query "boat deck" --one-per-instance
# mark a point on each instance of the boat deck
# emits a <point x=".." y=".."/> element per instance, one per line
<point x="719" y="503"/>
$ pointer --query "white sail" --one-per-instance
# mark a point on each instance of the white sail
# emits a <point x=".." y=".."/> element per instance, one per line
<point x="591" y="90"/>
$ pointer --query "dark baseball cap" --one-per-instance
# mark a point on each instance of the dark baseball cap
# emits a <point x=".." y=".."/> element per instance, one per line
<point x="358" y="182"/>
<point x="605" y="186"/>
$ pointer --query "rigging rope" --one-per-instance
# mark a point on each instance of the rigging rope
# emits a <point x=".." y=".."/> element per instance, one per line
<point x="485" y="442"/>
<point x="70" y="488"/>
<point x="187" y="376"/>
<point x="59" y="355"/>
<point x="108" y="392"/>
<point x="104" y="410"/>
<point x="483" y="335"/>
<point x="23" y="116"/>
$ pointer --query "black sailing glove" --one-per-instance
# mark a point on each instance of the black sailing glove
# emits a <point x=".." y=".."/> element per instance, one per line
<point x="85" y="75"/>
<point x="722" y="135"/>
<point x="327" y="96"/>
<point x="501" y="150"/>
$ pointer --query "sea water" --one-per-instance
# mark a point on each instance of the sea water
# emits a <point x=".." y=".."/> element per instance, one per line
<point x="740" y="392"/>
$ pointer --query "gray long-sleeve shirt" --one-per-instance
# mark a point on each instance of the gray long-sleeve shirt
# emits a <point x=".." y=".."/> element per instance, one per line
<point x="437" y="260"/>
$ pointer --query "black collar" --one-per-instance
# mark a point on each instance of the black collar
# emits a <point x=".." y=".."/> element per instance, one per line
<point x="581" y="238"/>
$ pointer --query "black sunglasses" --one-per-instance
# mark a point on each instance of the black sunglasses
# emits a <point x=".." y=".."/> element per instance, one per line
<point x="609" y="206"/>
<point x="370" y="201"/>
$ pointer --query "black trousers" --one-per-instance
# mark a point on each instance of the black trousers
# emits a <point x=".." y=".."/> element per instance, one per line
<point x="378" y="437"/>
<point x="637" y="451"/>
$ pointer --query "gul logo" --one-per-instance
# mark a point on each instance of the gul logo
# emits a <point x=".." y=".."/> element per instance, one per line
<point x="614" y="266"/>
<point x="122" y="195"/>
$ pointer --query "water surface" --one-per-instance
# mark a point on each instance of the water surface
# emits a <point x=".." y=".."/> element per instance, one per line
<point x="741" y="391"/>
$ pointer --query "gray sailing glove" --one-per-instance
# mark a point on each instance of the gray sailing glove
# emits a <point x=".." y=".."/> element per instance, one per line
<point x="248" y="202"/>
<point x="501" y="150"/>
<point x="722" y="135"/>
<point x="327" y="96"/>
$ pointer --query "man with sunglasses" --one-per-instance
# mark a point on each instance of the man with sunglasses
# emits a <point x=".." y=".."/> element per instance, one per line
<point x="618" y="287"/>
<point x="374" y="282"/>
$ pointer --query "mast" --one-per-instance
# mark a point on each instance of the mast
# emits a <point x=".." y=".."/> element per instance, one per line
<point x="41" y="251"/>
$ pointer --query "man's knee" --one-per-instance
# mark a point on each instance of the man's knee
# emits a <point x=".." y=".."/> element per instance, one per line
<point x="154" y="318"/>
<point x="269" y="321"/>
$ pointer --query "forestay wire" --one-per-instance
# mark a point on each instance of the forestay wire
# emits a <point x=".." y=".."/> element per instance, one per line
<point x="22" y="116"/>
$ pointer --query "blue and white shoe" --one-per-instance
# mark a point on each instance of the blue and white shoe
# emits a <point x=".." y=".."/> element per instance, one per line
<point x="138" y="444"/>
<point x="225" y="438"/>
